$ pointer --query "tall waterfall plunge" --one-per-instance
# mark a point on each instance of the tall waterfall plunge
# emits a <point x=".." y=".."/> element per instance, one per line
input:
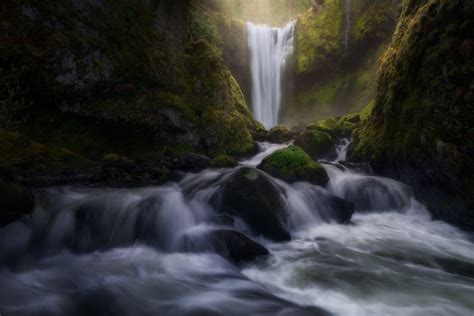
<point x="269" y="49"/>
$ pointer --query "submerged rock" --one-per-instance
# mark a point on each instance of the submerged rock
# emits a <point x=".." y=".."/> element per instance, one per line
<point x="341" y="210"/>
<point x="292" y="164"/>
<point x="250" y="195"/>
<point x="15" y="202"/>
<point x="235" y="245"/>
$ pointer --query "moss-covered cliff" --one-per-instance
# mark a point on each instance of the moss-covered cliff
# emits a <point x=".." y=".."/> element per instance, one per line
<point x="338" y="43"/>
<point x="421" y="126"/>
<point x="122" y="75"/>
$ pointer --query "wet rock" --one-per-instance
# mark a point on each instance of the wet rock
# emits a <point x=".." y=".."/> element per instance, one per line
<point x="222" y="219"/>
<point x="341" y="210"/>
<point x="235" y="245"/>
<point x="16" y="201"/>
<point x="359" y="167"/>
<point x="250" y="195"/>
<point x="193" y="162"/>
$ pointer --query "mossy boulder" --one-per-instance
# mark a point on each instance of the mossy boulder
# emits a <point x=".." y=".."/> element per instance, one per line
<point x="340" y="126"/>
<point x="292" y="164"/>
<point x="250" y="195"/>
<point x="315" y="142"/>
<point x="280" y="134"/>
<point x="224" y="161"/>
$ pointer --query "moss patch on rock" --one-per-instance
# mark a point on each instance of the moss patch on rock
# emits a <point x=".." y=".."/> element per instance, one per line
<point x="224" y="161"/>
<point x="19" y="156"/>
<point x="293" y="164"/>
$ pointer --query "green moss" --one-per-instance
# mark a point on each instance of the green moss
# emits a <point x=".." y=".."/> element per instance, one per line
<point x="280" y="134"/>
<point x="111" y="157"/>
<point x="315" y="141"/>
<point x="224" y="161"/>
<point x="318" y="35"/>
<point x="293" y="164"/>
<point x="225" y="133"/>
<point x="349" y="92"/>
<point x="110" y="73"/>
<point x="21" y="156"/>
<point x="374" y="21"/>
<point x="422" y="114"/>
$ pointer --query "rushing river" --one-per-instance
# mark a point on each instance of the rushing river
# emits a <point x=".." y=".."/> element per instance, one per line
<point x="110" y="251"/>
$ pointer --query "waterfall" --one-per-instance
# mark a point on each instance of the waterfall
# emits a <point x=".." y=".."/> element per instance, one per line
<point x="269" y="48"/>
<point x="348" y="23"/>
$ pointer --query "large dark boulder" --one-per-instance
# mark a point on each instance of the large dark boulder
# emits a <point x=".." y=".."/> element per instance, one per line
<point x="250" y="195"/>
<point x="15" y="202"/>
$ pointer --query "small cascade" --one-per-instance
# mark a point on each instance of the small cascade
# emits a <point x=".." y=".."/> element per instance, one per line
<point x="153" y="250"/>
<point x="269" y="49"/>
<point x="367" y="193"/>
<point x="341" y="150"/>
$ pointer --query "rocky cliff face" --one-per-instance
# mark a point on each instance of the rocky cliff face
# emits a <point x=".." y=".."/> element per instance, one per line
<point x="421" y="126"/>
<point x="95" y="75"/>
<point x="338" y="43"/>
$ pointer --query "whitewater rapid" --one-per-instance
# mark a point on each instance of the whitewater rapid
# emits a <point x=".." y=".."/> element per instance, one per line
<point x="269" y="48"/>
<point x="110" y="251"/>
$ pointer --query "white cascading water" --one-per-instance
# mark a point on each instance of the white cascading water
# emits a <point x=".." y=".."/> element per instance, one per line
<point x="150" y="251"/>
<point x="269" y="48"/>
<point x="348" y="22"/>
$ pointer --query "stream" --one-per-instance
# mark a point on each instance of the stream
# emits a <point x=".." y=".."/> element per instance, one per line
<point x="147" y="251"/>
